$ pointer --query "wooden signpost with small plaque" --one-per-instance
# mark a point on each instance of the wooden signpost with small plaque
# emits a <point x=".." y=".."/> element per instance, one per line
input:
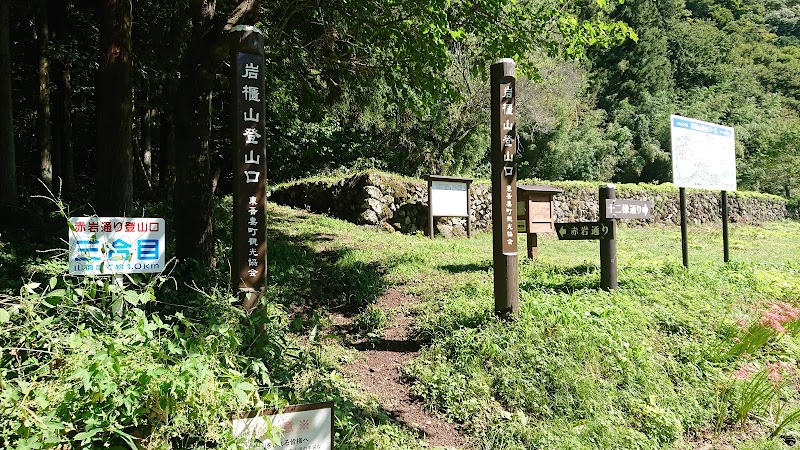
<point x="249" y="262"/>
<point x="535" y="209"/>
<point x="605" y="229"/>
<point x="504" y="188"/>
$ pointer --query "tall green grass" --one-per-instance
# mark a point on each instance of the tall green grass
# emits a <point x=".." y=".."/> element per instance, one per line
<point x="639" y="367"/>
<point x="646" y="366"/>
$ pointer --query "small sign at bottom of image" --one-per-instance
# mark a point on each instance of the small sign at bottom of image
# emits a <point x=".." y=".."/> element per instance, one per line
<point x="297" y="427"/>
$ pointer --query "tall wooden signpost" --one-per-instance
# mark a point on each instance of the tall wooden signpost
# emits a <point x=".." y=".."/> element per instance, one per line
<point x="249" y="264"/>
<point x="608" y="246"/>
<point x="504" y="188"/>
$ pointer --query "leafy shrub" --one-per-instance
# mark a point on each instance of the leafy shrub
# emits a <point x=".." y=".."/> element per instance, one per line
<point x="88" y="363"/>
<point x="371" y="322"/>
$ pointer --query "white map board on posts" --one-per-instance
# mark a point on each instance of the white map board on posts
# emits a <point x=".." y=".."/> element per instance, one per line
<point x="703" y="154"/>
<point x="449" y="198"/>
<point x="116" y="245"/>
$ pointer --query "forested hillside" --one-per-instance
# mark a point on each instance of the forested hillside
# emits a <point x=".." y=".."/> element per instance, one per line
<point x="402" y="87"/>
<point x="730" y="62"/>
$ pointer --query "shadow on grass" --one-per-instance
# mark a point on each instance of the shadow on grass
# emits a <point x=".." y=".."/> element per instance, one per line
<point x="30" y="246"/>
<point x="566" y="280"/>
<point x="390" y="345"/>
<point x="461" y="268"/>
<point x="304" y="279"/>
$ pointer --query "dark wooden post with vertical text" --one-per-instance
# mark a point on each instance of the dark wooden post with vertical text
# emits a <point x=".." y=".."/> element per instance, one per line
<point x="504" y="188"/>
<point x="249" y="263"/>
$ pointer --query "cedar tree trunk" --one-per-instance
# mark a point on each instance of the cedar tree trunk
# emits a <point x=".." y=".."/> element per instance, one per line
<point x="114" y="99"/>
<point x="43" y="107"/>
<point x="8" y="166"/>
<point x="194" y="183"/>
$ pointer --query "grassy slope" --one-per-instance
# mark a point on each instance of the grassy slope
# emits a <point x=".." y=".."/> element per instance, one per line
<point x="640" y="367"/>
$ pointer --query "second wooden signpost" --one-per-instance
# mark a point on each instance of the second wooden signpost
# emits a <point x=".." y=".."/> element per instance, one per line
<point x="605" y="229"/>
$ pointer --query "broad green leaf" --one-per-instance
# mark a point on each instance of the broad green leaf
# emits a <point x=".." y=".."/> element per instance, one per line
<point x="87" y="434"/>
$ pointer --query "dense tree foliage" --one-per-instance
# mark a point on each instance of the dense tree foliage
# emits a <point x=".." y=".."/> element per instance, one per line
<point x="400" y="86"/>
<point x="730" y="62"/>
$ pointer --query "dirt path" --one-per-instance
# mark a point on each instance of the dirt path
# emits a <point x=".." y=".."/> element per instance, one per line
<point x="377" y="373"/>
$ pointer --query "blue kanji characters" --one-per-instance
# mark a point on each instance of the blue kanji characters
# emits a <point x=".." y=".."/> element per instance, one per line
<point x="147" y="249"/>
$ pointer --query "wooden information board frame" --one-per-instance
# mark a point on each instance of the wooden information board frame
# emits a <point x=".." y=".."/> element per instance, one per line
<point x="437" y="210"/>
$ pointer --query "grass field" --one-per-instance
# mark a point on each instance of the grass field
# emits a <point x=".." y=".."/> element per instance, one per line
<point x="685" y="359"/>
<point x="645" y="366"/>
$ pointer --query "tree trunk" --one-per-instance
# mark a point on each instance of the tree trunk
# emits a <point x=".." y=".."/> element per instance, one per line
<point x="64" y="128"/>
<point x="193" y="177"/>
<point x="8" y="165"/>
<point x="43" y="107"/>
<point x="63" y="166"/>
<point x="146" y="119"/>
<point x="193" y="184"/>
<point x="114" y="99"/>
<point x="167" y="152"/>
<point x="192" y="194"/>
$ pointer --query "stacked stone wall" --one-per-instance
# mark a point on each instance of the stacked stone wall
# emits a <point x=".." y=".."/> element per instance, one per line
<point x="401" y="204"/>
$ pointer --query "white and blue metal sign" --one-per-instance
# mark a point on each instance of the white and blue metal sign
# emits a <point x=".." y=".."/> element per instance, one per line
<point x="116" y="245"/>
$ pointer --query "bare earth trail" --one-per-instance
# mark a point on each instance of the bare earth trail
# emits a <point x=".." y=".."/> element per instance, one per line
<point x="377" y="372"/>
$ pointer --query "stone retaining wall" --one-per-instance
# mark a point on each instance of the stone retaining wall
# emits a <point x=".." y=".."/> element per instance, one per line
<point x="401" y="204"/>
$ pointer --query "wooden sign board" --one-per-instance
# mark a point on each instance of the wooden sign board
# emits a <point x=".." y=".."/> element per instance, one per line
<point x="449" y="198"/>
<point x="248" y="139"/>
<point x="308" y="426"/>
<point x="628" y="209"/>
<point x="505" y="258"/>
<point x="579" y="231"/>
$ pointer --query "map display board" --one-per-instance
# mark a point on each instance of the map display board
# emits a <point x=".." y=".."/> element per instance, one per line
<point x="703" y="154"/>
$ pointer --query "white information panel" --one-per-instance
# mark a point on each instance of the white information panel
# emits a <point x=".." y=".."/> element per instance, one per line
<point x="703" y="154"/>
<point x="116" y="245"/>
<point x="449" y="198"/>
<point x="302" y="427"/>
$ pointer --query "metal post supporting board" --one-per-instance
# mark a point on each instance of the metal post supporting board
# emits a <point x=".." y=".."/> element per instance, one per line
<point x="684" y="231"/>
<point x="725" y="252"/>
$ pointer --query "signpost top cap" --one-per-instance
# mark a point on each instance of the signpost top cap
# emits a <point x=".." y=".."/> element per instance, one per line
<point x="538" y="188"/>
<point x="503" y="67"/>
<point x="504" y="61"/>
<point x="252" y="28"/>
